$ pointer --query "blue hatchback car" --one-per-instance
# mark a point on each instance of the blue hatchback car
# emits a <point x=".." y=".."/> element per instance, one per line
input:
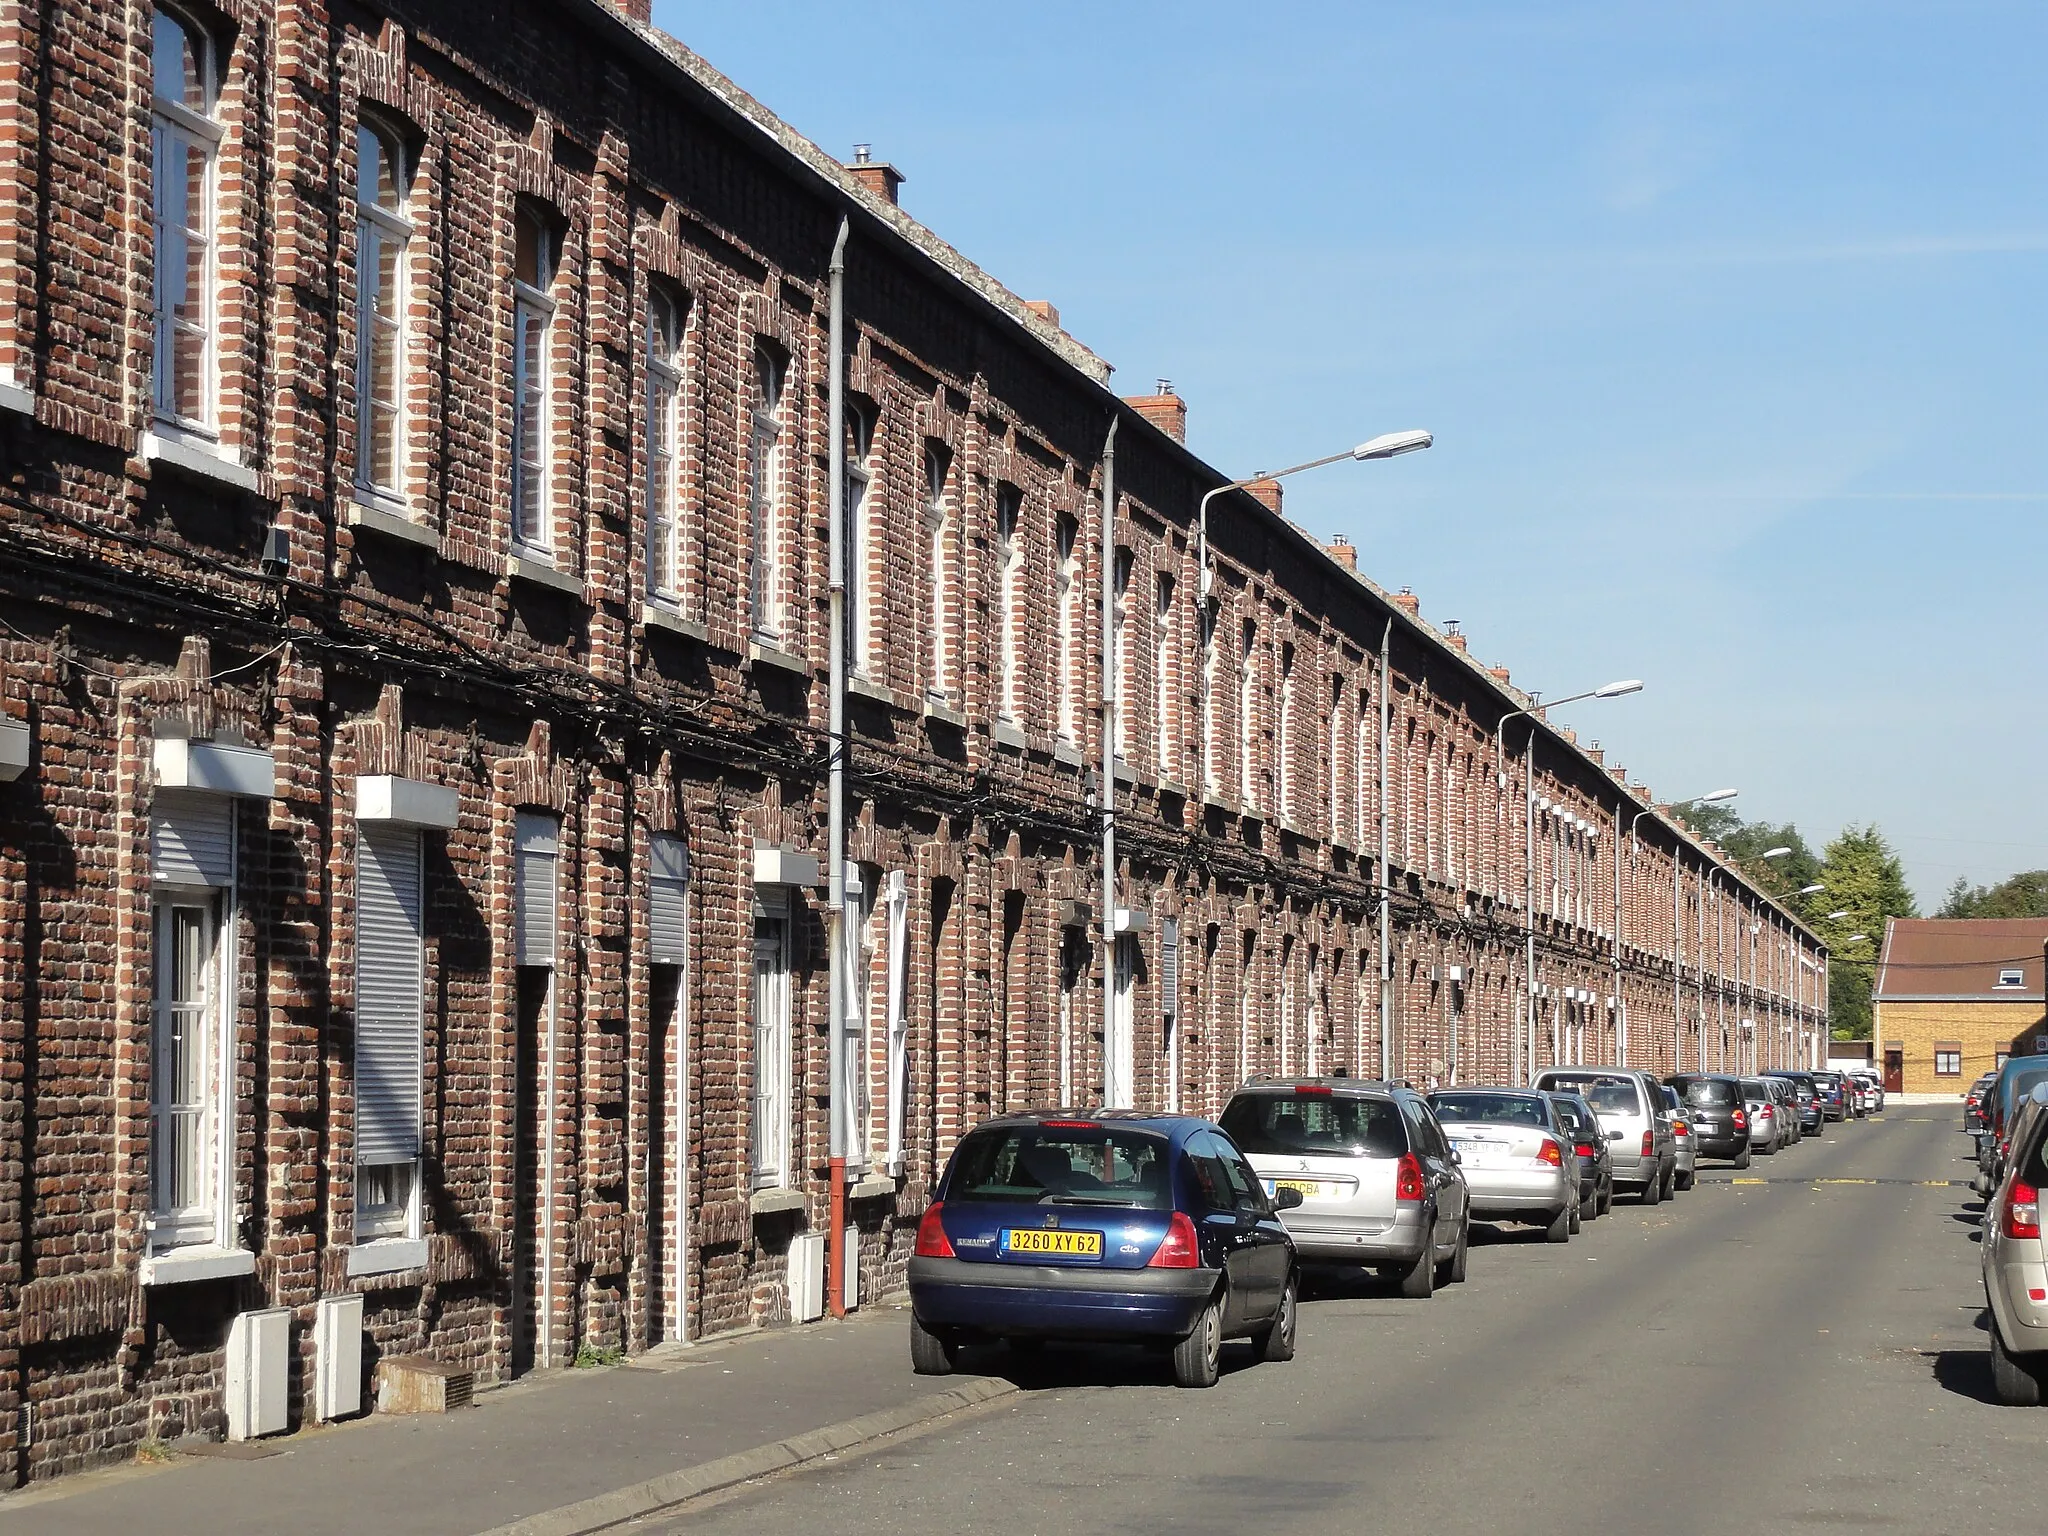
<point x="1103" y="1225"/>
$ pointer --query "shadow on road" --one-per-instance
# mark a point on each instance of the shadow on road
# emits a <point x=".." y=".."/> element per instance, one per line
<point x="1051" y="1366"/>
<point x="1967" y="1373"/>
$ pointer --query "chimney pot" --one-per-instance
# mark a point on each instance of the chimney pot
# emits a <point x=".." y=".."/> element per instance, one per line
<point x="1459" y="642"/>
<point x="878" y="176"/>
<point x="1044" y="310"/>
<point x="1408" y="603"/>
<point x="1165" y="410"/>
<point x="1498" y="674"/>
<point x="1339" y="549"/>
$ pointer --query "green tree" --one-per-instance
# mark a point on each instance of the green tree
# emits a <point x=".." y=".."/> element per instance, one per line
<point x="2021" y="895"/>
<point x="1866" y="882"/>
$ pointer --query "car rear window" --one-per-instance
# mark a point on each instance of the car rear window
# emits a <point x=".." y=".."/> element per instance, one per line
<point x="1573" y="1117"/>
<point x="2022" y="1083"/>
<point x="1607" y="1095"/>
<point x="1073" y="1163"/>
<point x="1330" y="1125"/>
<point x="1704" y="1092"/>
<point x="1491" y="1108"/>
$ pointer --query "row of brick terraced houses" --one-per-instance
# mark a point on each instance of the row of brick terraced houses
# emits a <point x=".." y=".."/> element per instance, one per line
<point x="412" y="537"/>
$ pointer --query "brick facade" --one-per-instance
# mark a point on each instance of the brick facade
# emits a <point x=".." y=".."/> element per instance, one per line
<point x="587" y="1124"/>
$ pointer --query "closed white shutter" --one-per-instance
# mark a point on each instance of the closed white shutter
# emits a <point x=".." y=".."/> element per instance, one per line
<point x="389" y="988"/>
<point x="537" y="841"/>
<point x="1169" y="968"/>
<point x="668" y="882"/>
<point x="192" y="839"/>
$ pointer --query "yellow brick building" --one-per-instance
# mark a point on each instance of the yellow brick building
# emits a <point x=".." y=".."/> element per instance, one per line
<point x="1955" y="997"/>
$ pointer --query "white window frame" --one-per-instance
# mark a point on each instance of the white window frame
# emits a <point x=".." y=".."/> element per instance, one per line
<point x="1009" y="599"/>
<point x="896" y="902"/>
<point x="1283" y="744"/>
<point x="764" y="492"/>
<point x="771" y="1112"/>
<point x="1066" y="591"/>
<point x="663" y="323"/>
<point x="398" y="1215"/>
<point x="1123" y="565"/>
<point x="1212" y="703"/>
<point x="938" y="533"/>
<point x="862" y="891"/>
<point x="533" y="312"/>
<point x="172" y="123"/>
<point x="1164" y="670"/>
<point x="207" y="1221"/>
<point x="860" y="541"/>
<point x="374" y="226"/>
<point x="1248" y="714"/>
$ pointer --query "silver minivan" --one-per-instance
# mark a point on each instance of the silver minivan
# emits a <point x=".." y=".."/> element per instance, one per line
<point x="2016" y="1262"/>
<point x="1380" y="1187"/>
<point x="1630" y="1105"/>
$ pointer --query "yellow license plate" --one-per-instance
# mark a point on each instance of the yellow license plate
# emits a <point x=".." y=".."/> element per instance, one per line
<point x="1080" y="1245"/>
<point x="1310" y="1188"/>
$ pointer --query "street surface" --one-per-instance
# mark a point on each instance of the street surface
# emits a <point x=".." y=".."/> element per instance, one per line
<point x="1784" y="1355"/>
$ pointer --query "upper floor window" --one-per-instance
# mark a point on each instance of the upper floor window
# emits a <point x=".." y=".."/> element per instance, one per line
<point x="184" y="143"/>
<point x="2012" y="978"/>
<point x="860" y="543"/>
<point x="764" y="491"/>
<point x="664" y="433"/>
<point x="1340" y="824"/>
<point x="533" y="274"/>
<point x="1120" y="568"/>
<point x="1248" y="714"/>
<point x="1283" y="743"/>
<point x="1163" y="669"/>
<point x="1009" y="599"/>
<point x="1212" y="726"/>
<point x="938" y="533"/>
<point x="1066" y="594"/>
<point x="382" y="231"/>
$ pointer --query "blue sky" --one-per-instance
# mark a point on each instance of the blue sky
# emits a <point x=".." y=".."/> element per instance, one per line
<point x="1728" y="319"/>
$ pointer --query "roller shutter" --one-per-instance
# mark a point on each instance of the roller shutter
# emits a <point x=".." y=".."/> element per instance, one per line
<point x="538" y="841"/>
<point x="192" y="839"/>
<point x="389" y="987"/>
<point x="668" y="883"/>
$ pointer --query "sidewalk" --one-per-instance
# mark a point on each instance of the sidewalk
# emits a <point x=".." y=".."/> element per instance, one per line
<point x="533" y="1447"/>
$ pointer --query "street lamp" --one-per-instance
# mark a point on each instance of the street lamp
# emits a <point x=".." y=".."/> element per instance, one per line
<point x="1811" y="890"/>
<point x="1775" y="853"/>
<point x="1857" y="938"/>
<point x="1836" y="917"/>
<point x="1612" y="690"/>
<point x="1388" y="445"/>
<point x="1635" y="847"/>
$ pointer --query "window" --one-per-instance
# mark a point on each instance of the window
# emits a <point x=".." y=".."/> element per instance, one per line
<point x="764" y="492"/>
<point x="1340" y="824"/>
<point x="862" y="883"/>
<point x="533" y="273"/>
<point x="1283" y="742"/>
<point x="1009" y="600"/>
<point x="860" y="545"/>
<point x="1367" y="758"/>
<point x="1119" y="661"/>
<point x="389" y="1001"/>
<point x="192" y="858"/>
<point x="664" y="434"/>
<point x="184" y="143"/>
<point x="771" y="1107"/>
<point x="1212" y="729"/>
<point x="1164" y="659"/>
<point x="1067" y="594"/>
<point x="938" y="534"/>
<point x="382" y="230"/>
<point x="1948" y="1059"/>
<point x="1248" y="715"/>
<point x="2012" y="978"/>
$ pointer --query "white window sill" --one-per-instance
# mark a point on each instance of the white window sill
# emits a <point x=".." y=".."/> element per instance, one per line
<point x="1064" y="751"/>
<point x="771" y="1202"/>
<point x="944" y="713"/>
<point x="536" y="570"/>
<point x="182" y="1266"/>
<point x="661" y="616"/>
<point x="15" y="398"/>
<point x="17" y="749"/>
<point x="387" y="1255"/>
<point x="1008" y="735"/>
<point x="389" y="519"/>
<point x="209" y="461"/>
<point x="880" y="693"/>
<point x="873" y="1187"/>
<point x="763" y="653"/>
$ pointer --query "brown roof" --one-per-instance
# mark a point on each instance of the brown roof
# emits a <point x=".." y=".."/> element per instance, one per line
<point x="1934" y="957"/>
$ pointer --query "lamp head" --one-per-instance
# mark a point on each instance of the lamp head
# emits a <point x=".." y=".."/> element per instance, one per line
<point x="1719" y="794"/>
<point x="1776" y="853"/>
<point x="1616" y="690"/>
<point x="1391" y="445"/>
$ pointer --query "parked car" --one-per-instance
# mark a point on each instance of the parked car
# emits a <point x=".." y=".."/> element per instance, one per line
<point x="1112" y="1225"/>
<point x="1513" y="1149"/>
<point x="1686" y="1162"/>
<point x="1589" y="1145"/>
<point x="1719" y="1111"/>
<point x="1766" y="1130"/>
<point x="1976" y="1113"/>
<point x="2016" y="1079"/>
<point x="2014" y="1260"/>
<point x="1834" y="1097"/>
<point x="1631" y="1110"/>
<point x="1813" y="1113"/>
<point x="1787" y="1103"/>
<point x="1379" y="1184"/>
<point x="1872" y="1081"/>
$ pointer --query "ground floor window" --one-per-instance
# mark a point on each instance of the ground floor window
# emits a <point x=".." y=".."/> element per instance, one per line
<point x="1948" y="1059"/>
<point x="771" y="1045"/>
<point x="186" y="1072"/>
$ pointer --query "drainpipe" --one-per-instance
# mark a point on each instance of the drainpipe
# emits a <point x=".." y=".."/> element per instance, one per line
<point x="1620" y="993"/>
<point x="1113" y="1090"/>
<point x="1386" y="901"/>
<point x="835" y="794"/>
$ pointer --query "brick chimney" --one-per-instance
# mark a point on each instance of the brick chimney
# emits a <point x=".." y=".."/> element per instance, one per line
<point x="1595" y="753"/>
<point x="878" y="176"/>
<point x="1455" y="637"/>
<point x="1044" y="310"/>
<point x="1341" y="550"/>
<point x="641" y="11"/>
<point x="1498" y="674"/>
<point x="1166" y="411"/>
<point x="1267" y="494"/>
<point x="1408" y="603"/>
<point x="1571" y="735"/>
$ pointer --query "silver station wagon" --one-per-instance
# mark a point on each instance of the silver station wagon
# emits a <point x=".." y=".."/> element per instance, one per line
<point x="1520" y="1162"/>
<point x="2016" y="1262"/>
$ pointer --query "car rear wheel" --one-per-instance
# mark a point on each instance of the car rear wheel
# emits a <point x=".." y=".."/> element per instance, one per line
<point x="1419" y="1283"/>
<point x="1198" y="1358"/>
<point x="1560" y="1228"/>
<point x="1452" y="1270"/>
<point x="930" y="1355"/>
<point x="1607" y="1197"/>
<point x="1276" y="1342"/>
<point x="1652" y="1191"/>
<point x="1686" y="1180"/>
<point x="1578" y="1217"/>
<point x="2015" y="1378"/>
<point x="1589" y="1208"/>
<point x="1742" y="1158"/>
<point x="1670" y="1183"/>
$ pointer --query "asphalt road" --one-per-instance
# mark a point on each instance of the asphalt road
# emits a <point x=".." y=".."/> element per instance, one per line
<point x="1782" y="1355"/>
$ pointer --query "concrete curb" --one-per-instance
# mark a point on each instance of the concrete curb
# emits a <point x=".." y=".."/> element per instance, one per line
<point x="673" y="1488"/>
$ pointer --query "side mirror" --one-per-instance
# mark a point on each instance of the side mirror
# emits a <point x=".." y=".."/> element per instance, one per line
<point x="1457" y="1157"/>
<point x="1614" y="1135"/>
<point x="1286" y="1199"/>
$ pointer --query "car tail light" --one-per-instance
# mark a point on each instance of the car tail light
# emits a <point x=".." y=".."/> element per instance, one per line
<point x="1550" y="1152"/>
<point x="1741" y="1121"/>
<point x="2022" y="1214"/>
<point x="1178" y="1249"/>
<point x="1313" y="1091"/>
<point x="1649" y="1144"/>
<point x="1585" y="1149"/>
<point x="932" y="1242"/>
<point x="1071" y="1125"/>
<point x="1681" y="1127"/>
<point x="1408" y="1182"/>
